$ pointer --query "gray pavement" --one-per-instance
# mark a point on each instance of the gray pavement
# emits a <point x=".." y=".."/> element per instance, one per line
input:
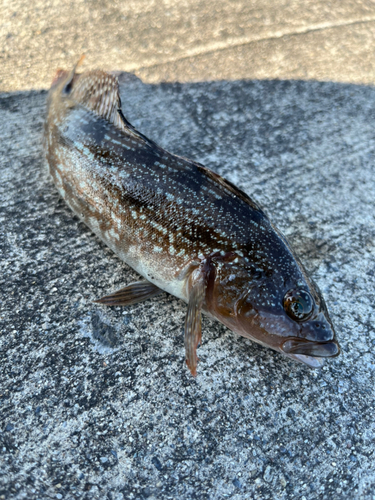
<point x="97" y="403"/>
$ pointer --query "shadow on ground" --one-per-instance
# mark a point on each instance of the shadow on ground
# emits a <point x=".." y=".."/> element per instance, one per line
<point x="97" y="403"/>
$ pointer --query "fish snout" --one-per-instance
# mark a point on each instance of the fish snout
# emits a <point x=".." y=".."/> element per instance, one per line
<point x="317" y="338"/>
<point x="318" y="329"/>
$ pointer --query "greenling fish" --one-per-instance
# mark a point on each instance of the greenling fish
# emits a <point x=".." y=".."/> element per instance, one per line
<point x="185" y="229"/>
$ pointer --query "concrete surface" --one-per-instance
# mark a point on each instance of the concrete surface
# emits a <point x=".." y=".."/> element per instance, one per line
<point x="193" y="40"/>
<point x="97" y="403"/>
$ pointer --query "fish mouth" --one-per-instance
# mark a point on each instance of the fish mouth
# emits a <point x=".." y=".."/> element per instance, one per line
<point x="312" y="349"/>
<point x="312" y="354"/>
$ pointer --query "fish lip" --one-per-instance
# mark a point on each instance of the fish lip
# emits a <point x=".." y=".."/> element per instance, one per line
<point x="310" y="348"/>
<point x="310" y="361"/>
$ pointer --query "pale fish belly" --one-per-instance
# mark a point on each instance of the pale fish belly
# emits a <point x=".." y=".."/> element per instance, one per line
<point x="81" y="183"/>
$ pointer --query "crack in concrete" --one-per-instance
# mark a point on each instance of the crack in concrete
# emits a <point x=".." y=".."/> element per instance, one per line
<point x="222" y="46"/>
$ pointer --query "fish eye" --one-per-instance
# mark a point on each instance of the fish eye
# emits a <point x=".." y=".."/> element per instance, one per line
<point x="298" y="304"/>
<point x="68" y="87"/>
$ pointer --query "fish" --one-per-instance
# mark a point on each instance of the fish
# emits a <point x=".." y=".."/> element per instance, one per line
<point x="185" y="229"/>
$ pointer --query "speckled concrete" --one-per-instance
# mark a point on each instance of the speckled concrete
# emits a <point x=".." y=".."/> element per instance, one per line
<point x="189" y="40"/>
<point x="96" y="403"/>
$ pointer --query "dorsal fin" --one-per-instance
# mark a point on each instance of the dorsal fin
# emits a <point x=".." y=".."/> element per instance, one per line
<point x="98" y="91"/>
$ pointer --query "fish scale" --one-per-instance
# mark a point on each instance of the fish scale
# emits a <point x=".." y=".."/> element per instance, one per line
<point x="184" y="228"/>
<point x="151" y="191"/>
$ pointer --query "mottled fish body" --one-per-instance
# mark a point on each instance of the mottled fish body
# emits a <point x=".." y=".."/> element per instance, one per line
<point x="185" y="229"/>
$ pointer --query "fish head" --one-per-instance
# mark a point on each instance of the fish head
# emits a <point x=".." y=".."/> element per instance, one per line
<point x="61" y="87"/>
<point x="59" y="102"/>
<point x="276" y="305"/>
<point x="62" y="84"/>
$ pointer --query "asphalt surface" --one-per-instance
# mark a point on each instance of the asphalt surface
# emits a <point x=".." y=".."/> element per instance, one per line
<point x="97" y="403"/>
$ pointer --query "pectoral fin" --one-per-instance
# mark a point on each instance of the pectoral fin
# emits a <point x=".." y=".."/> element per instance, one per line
<point x="131" y="294"/>
<point x="193" y="325"/>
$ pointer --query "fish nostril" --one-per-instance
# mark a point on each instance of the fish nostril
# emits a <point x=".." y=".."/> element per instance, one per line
<point x="317" y="331"/>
